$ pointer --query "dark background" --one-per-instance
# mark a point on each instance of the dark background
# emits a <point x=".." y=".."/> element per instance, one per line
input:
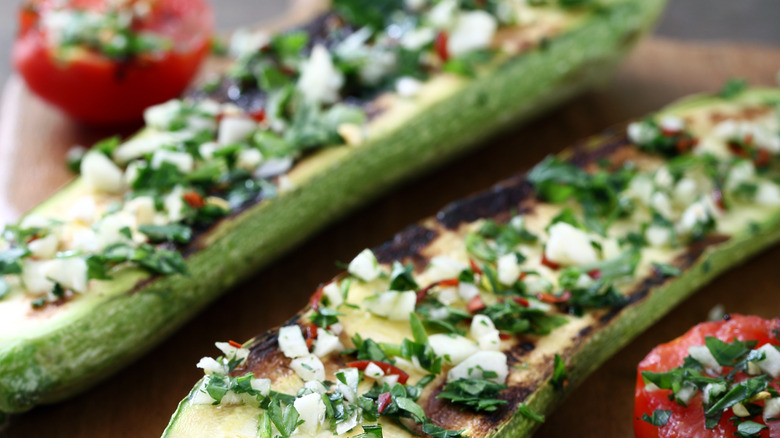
<point x="734" y="20"/>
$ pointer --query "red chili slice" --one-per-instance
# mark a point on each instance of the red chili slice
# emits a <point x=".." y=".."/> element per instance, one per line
<point x="384" y="366"/>
<point x="475" y="305"/>
<point x="685" y="145"/>
<point x="452" y="282"/>
<point x="737" y="149"/>
<point x="383" y="402"/>
<point x="554" y="299"/>
<point x="193" y="199"/>
<point x="258" y="115"/>
<point x="594" y="274"/>
<point x="504" y="336"/>
<point x="441" y="46"/>
<point x="549" y="263"/>
<point x="310" y="333"/>
<point x="521" y="301"/>
<point x="474" y="267"/>
<point x="445" y="283"/>
<point x="670" y="132"/>
<point x="234" y="344"/>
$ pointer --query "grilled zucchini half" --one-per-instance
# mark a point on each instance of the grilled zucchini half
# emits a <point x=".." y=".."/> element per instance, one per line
<point x="478" y="321"/>
<point x="221" y="182"/>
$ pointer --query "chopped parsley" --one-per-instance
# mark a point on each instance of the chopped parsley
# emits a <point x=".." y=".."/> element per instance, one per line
<point x="510" y="317"/>
<point x="475" y="394"/>
<point x="559" y="377"/>
<point x="732" y="88"/>
<point x="175" y="233"/>
<point x="659" y="418"/>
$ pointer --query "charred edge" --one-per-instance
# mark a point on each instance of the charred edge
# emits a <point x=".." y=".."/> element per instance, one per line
<point x="514" y="395"/>
<point x="512" y="192"/>
<point x="585" y="332"/>
<point x="142" y="284"/>
<point x="500" y="199"/>
<point x="406" y="245"/>
<point x="516" y="353"/>
<point x="265" y="358"/>
<point x="692" y="254"/>
<point x="595" y="149"/>
<point x="449" y="415"/>
<point x="453" y="416"/>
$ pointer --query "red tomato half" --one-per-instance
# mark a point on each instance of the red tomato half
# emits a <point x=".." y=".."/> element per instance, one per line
<point x="689" y="421"/>
<point x="94" y="88"/>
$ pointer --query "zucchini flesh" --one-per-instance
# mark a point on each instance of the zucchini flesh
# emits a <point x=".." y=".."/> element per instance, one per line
<point x="65" y="350"/>
<point x="583" y="343"/>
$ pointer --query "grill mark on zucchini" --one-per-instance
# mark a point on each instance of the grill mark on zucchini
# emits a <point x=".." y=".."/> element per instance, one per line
<point x="409" y="244"/>
<point x="514" y="192"/>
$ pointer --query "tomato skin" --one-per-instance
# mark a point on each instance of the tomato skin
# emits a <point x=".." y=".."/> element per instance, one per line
<point x="689" y="421"/>
<point x="95" y="89"/>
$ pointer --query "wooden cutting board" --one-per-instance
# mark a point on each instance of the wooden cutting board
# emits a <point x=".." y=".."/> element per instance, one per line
<point x="138" y="401"/>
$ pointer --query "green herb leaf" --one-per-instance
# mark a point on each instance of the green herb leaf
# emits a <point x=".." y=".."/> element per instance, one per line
<point x="158" y="261"/>
<point x="659" y="418"/>
<point x="10" y="260"/>
<point x="438" y="432"/>
<point x="401" y="278"/>
<point x="408" y="405"/>
<point x="325" y="317"/>
<point x="728" y="353"/>
<point x="108" y="146"/>
<point x="371" y="431"/>
<point x="667" y="270"/>
<point x="264" y="429"/>
<point x="373" y="14"/>
<point x="285" y="419"/>
<point x="479" y="395"/>
<point x="217" y="386"/>
<point x="749" y="429"/>
<point x="176" y="233"/>
<point x="290" y="44"/>
<point x="732" y="88"/>
<point x="511" y="317"/>
<point x="738" y="393"/>
<point x="368" y="350"/>
<point x="558" y="379"/>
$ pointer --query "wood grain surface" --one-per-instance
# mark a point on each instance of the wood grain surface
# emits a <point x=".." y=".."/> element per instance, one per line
<point x="138" y="401"/>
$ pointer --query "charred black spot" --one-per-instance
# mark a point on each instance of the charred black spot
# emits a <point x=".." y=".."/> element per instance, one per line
<point x="265" y="359"/>
<point x="407" y="245"/>
<point x="500" y="199"/>
<point x="585" y="332"/>
<point x="608" y="143"/>
<point x="696" y="249"/>
<point x="515" y="354"/>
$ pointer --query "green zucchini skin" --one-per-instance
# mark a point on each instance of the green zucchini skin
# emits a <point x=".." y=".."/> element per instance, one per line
<point x="139" y="312"/>
<point x="613" y="328"/>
